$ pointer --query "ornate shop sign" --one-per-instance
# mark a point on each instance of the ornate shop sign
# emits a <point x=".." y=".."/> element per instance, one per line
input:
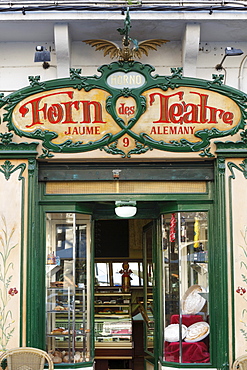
<point x="125" y="111"/>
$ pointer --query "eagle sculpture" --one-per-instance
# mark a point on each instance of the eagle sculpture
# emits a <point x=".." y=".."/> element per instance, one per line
<point x="126" y="53"/>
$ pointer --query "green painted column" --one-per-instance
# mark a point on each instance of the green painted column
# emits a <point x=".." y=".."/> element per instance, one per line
<point x="35" y="266"/>
<point x="218" y="272"/>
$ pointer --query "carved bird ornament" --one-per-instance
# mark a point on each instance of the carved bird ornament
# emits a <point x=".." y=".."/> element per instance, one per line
<point x="126" y="53"/>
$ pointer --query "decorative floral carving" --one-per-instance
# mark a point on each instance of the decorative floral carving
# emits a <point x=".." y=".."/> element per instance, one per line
<point x="242" y="167"/>
<point x="217" y="79"/>
<point x="75" y="73"/>
<point x="206" y="153"/>
<point x="46" y="154"/>
<point x="6" y="138"/>
<point x="177" y="72"/>
<point x="112" y="149"/>
<point x="35" y="81"/>
<point x="139" y="149"/>
<point x="243" y="135"/>
<point x="8" y="169"/>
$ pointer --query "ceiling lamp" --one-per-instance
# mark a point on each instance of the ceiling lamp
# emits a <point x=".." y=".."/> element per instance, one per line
<point x="126" y="208"/>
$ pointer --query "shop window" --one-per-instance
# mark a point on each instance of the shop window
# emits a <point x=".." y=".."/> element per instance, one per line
<point x="186" y="287"/>
<point x="67" y="289"/>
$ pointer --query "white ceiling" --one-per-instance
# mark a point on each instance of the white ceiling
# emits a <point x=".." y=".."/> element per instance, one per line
<point x="38" y="26"/>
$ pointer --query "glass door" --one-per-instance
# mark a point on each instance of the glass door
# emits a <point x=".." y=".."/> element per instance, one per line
<point x="186" y="287"/>
<point x="147" y="309"/>
<point x="67" y="287"/>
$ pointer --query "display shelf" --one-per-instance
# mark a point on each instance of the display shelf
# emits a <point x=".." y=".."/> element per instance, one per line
<point x="66" y="320"/>
<point x="112" y="313"/>
<point x="111" y="305"/>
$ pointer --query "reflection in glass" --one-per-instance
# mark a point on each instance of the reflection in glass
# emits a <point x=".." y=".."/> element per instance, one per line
<point x="107" y="271"/>
<point x="68" y="294"/>
<point x="147" y="309"/>
<point x="186" y="289"/>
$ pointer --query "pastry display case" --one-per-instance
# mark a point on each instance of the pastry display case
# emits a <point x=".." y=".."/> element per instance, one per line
<point x="67" y="292"/>
<point x="113" y="322"/>
<point x="66" y="323"/>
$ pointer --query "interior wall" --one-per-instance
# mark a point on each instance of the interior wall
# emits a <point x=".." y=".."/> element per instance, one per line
<point x="135" y="237"/>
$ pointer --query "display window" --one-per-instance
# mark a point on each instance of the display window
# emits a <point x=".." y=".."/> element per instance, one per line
<point x="83" y="319"/>
<point x="67" y="287"/>
<point x="186" y="287"/>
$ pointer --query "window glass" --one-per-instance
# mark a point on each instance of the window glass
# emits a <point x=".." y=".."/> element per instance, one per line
<point x="186" y="288"/>
<point x="135" y="267"/>
<point x="109" y="273"/>
<point x="102" y="274"/>
<point x="147" y="309"/>
<point x="67" y="290"/>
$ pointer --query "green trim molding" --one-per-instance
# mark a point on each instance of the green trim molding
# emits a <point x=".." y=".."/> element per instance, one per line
<point x="35" y="306"/>
<point x="233" y="149"/>
<point x="242" y="167"/>
<point x="219" y="320"/>
<point x="8" y="149"/>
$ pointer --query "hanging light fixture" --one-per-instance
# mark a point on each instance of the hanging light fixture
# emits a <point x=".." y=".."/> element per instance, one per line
<point x="42" y="55"/>
<point x="229" y="52"/>
<point x="126" y="208"/>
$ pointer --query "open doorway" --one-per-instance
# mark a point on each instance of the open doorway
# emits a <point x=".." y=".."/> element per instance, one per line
<point x="123" y="298"/>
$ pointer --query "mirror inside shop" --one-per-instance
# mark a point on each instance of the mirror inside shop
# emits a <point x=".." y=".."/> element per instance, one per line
<point x="121" y="305"/>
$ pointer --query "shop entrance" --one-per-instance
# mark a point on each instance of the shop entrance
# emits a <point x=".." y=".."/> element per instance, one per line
<point x="109" y="280"/>
<point x="123" y="297"/>
<point x="100" y="274"/>
<point x="91" y="313"/>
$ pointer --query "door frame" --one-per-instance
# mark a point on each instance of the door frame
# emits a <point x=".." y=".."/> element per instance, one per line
<point x="84" y="204"/>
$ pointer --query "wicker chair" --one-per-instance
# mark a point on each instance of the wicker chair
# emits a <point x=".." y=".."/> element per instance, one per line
<point x="26" y="358"/>
<point x="240" y="363"/>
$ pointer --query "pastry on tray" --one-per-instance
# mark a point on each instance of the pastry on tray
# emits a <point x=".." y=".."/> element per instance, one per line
<point x="57" y="330"/>
<point x="172" y="332"/>
<point x="192" y="302"/>
<point x="197" y="332"/>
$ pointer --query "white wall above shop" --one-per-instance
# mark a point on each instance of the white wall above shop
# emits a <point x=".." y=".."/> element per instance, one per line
<point x="17" y="61"/>
<point x="197" y="42"/>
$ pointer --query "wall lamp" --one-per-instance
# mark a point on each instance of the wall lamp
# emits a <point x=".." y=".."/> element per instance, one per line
<point x="229" y="52"/>
<point x="125" y="208"/>
<point x="42" y="55"/>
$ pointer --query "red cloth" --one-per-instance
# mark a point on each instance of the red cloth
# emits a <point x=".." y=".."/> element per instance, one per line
<point x="187" y="320"/>
<point x="191" y="352"/>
